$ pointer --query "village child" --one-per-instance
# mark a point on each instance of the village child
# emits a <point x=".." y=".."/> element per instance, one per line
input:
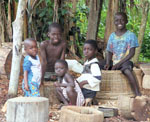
<point x="121" y="48"/>
<point x="68" y="90"/>
<point x="91" y="76"/>
<point x="32" y="69"/>
<point x="52" y="50"/>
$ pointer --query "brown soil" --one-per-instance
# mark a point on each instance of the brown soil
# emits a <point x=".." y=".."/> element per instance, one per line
<point x="54" y="111"/>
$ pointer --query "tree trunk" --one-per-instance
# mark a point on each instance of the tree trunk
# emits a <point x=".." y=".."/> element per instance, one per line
<point x="94" y="18"/>
<point x="15" y="6"/>
<point x="72" y="24"/>
<point x="27" y="109"/>
<point x="146" y="6"/>
<point x="9" y="28"/>
<point x="2" y="25"/>
<point x="25" y="28"/>
<point x="17" y="47"/>
<point x="55" y="15"/>
<point x="112" y="9"/>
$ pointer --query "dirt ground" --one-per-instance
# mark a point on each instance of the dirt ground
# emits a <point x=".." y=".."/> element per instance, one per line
<point x="54" y="112"/>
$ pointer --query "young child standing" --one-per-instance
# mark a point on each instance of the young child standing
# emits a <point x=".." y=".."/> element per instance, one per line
<point x="68" y="90"/>
<point x="32" y="69"/>
<point x="121" y="48"/>
<point x="91" y="76"/>
<point x="52" y="50"/>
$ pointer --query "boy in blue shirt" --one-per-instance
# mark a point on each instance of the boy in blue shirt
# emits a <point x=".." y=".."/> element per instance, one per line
<point x="121" y="48"/>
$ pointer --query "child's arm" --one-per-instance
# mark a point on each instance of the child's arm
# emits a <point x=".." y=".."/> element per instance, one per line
<point x="69" y="79"/>
<point x="43" y="60"/>
<point x="26" y="80"/>
<point x="128" y="57"/>
<point x="92" y="79"/>
<point x="63" y="51"/>
<point x="26" y="67"/>
<point x="108" y="59"/>
<point x="81" y="84"/>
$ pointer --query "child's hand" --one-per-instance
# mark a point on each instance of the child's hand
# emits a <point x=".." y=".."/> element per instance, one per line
<point x="26" y="87"/>
<point x="53" y="78"/>
<point x="81" y="84"/>
<point x="116" y="66"/>
<point x="107" y="66"/>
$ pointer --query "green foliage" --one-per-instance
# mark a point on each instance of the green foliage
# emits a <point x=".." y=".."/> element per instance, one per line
<point x="42" y="18"/>
<point x="81" y="17"/>
<point x="145" y="50"/>
<point x="134" y="18"/>
<point x="134" y="21"/>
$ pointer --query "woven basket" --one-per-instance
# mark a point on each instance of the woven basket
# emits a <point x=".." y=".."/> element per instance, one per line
<point x="113" y="84"/>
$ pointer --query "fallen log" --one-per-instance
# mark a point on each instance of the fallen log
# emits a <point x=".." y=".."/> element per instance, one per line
<point x="4" y="52"/>
<point x="6" y="60"/>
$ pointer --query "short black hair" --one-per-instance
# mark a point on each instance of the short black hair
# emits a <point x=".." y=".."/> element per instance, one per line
<point x="55" y="25"/>
<point x="123" y="14"/>
<point x="92" y="42"/>
<point x="63" y="62"/>
<point x="27" y="42"/>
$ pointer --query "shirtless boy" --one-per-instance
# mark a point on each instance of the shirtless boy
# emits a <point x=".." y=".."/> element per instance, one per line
<point x="52" y="50"/>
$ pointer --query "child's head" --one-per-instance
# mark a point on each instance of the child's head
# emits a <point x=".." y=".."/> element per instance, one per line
<point x="90" y="49"/>
<point x="55" y="33"/>
<point x="61" y="67"/>
<point x="30" y="46"/>
<point x="120" y="20"/>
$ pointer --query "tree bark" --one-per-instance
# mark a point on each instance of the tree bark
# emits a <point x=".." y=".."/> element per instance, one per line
<point x="15" y="6"/>
<point x="112" y="9"/>
<point x="55" y="15"/>
<point x="146" y="6"/>
<point x="17" y="47"/>
<point x="2" y="27"/>
<point x="94" y="18"/>
<point x="9" y="28"/>
<point x="25" y="28"/>
<point x="72" y="24"/>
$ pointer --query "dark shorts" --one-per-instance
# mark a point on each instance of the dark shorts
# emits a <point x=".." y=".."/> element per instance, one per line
<point x="126" y="65"/>
<point x="88" y="93"/>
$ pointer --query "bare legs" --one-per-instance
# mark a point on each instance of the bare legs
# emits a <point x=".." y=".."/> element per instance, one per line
<point x="71" y="93"/>
<point x="134" y="85"/>
<point x="61" y="96"/>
